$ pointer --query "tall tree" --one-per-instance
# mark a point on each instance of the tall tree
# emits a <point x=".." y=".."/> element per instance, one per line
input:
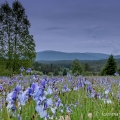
<point x="24" y="46"/>
<point x="7" y="32"/>
<point x="110" y="66"/>
<point x="16" y="43"/>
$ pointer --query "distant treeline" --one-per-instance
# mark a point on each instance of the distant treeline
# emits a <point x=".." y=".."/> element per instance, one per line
<point x="50" y="69"/>
<point x="93" y="65"/>
<point x="90" y="67"/>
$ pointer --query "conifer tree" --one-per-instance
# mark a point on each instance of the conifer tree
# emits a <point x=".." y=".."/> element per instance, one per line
<point x="110" y="66"/>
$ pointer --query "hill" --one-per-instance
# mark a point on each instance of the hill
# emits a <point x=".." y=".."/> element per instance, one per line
<point x="56" y="55"/>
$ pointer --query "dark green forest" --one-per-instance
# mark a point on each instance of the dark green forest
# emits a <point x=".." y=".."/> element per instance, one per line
<point x="91" y="66"/>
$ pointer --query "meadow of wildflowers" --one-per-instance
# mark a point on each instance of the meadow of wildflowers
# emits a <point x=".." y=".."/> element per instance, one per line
<point x="34" y="97"/>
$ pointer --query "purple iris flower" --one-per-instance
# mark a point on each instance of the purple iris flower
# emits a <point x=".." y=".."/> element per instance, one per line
<point x="29" y="91"/>
<point x="45" y="105"/>
<point x="22" y="69"/>
<point x="14" y="95"/>
<point x="39" y="102"/>
<point x="68" y="109"/>
<point x="107" y="91"/>
<point x="9" y="98"/>
<point x="49" y="102"/>
<point x="98" y="95"/>
<point x="79" y="84"/>
<point x="10" y="82"/>
<point x="29" y="70"/>
<point x="1" y="87"/>
<point x="119" y="96"/>
<point x="42" y="98"/>
<point x="38" y="93"/>
<point x="116" y="74"/>
<point x="87" y="82"/>
<point x="56" y="104"/>
<point x="43" y="82"/>
<point x="41" y="91"/>
<point x="49" y="90"/>
<point x="0" y="106"/>
<point x="13" y="108"/>
<point x="65" y="88"/>
<point x="34" y="86"/>
<point x="76" y="103"/>
<point x="42" y="113"/>
<point x="19" y="117"/>
<point x="20" y="75"/>
<point x="22" y="97"/>
<point x="56" y="97"/>
<point x="106" y="96"/>
<point x="89" y="88"/>
<point x="53" y="110"/>
<point x="17" y="88"/>
<point x="93" y="93"/>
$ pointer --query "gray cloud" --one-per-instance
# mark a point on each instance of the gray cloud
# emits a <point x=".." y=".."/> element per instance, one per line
<point x="75" y="25"/>
<point x="55" y="28"/>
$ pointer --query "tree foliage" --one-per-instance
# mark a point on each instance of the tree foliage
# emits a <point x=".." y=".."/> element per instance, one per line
<point x="110" y="66"/>
<point x="87" y="67"/>
<point x="76" y="67"/>
<point x="64" y="72"/>
<point x="118" y="71"/>
<point x="17" y="46"/>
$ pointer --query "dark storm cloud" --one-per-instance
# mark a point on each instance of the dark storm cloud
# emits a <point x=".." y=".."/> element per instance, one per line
<point x="75" y="25"/>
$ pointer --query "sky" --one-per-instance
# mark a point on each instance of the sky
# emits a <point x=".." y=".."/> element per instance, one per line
<point x="74" y="25"/>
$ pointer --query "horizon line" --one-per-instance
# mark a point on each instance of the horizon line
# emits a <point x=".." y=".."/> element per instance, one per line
<point x="76" y="52"/>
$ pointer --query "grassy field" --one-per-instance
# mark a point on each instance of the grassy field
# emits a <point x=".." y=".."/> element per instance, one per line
<point x="69" y="98"/>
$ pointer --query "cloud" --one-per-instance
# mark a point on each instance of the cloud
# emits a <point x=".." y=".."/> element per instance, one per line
<point x="55" y="28"/>
<point x="81" y="25"/>
<point x="115" y="46"/>
<point x="94" y="36"/>
<point x="116" y="49"/>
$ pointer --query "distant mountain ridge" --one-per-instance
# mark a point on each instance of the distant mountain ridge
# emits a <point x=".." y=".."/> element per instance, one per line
<point x="56" y="55"/>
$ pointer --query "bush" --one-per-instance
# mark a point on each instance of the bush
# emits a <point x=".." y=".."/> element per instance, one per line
<point x="50" y="73"/>
<point x="5" y="72"/>
<point x="36" y="72"/>
<point x="87" y="73"/>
